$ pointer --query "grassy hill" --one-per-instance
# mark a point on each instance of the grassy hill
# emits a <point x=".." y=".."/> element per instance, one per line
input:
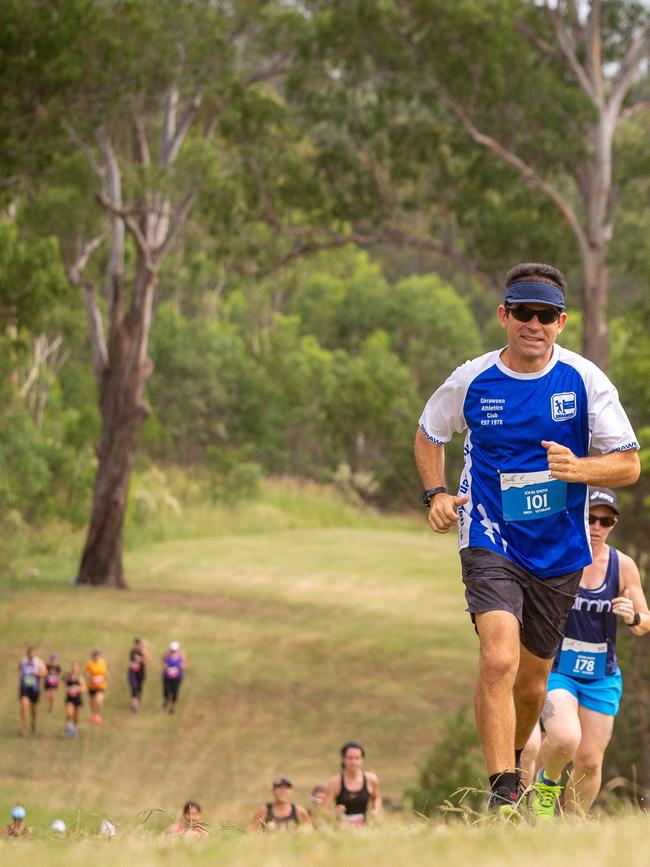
<point x="306" y="623"/>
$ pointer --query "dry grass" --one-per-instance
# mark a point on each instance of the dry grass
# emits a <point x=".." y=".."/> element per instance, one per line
<point x="580" y="844"/>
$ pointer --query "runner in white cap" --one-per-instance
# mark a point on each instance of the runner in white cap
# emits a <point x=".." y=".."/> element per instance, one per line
<point x="174" y="666"/>
<point x="585" y="685"/>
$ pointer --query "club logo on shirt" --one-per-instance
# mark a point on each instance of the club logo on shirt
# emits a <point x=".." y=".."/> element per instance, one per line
<point x="563" y="405"/>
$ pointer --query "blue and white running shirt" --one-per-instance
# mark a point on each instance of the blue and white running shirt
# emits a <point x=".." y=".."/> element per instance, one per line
<point x="515" y="506"/>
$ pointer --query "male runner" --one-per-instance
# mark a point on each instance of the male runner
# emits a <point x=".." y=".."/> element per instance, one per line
<point x="531" y="411"/>
<point x="585" y="685"/>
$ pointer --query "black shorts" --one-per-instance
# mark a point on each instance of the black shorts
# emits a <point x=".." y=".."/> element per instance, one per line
<point x="74" y="700"/>
<point x="541" y="605"/>
<point x="29" y="692"/>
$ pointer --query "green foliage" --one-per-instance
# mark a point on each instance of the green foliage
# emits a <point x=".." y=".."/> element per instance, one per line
<point x="32" y="278"/>
<point x="453" y="766"/>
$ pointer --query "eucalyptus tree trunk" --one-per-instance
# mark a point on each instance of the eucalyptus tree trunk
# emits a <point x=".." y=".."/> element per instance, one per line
<point x="121" y="363"/>
<point x="123" y="411"/>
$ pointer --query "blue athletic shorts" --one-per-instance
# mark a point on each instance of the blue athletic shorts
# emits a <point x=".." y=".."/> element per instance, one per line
<point x="602" y="695"/>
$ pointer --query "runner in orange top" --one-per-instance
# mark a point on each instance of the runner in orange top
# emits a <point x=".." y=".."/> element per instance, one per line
<point x="97" y="677"/>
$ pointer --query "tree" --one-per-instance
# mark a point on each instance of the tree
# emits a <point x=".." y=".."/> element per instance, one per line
<point x="540" y="87"/>
<point x="201" y="60"/>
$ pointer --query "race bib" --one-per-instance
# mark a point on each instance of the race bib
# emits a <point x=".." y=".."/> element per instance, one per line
<point x="30" y="681"/>
<point x="97" y="680"/>
<point x="172" y="672"/>
<point x="353" y="818"/>
<point x="135" y="666"/>
<point x="583" y="659"/>
<point x="52" y="680"/>
<point x="529" y="496"/>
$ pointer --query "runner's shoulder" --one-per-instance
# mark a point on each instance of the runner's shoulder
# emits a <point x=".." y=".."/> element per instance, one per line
<point x="588" y="370"/>
<point x="627" y="566"/>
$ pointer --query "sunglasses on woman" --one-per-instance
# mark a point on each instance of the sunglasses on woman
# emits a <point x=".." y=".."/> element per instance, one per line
<point x="604" y="522"/>
<point x="524" y="314"/>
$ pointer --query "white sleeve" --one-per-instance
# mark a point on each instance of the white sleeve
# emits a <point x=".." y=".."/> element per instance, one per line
<point x="609" y="425"/>
<point x="443" y="414"/>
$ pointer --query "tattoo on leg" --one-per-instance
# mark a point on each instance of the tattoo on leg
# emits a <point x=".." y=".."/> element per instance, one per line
<point x="548" y="710"/>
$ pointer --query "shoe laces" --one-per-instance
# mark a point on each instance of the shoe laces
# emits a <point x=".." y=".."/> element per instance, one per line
<point x="547" y="795"/>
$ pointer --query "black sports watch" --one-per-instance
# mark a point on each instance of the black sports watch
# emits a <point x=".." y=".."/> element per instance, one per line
<point x="430" y="493"/>
<point x="636" y="621"/>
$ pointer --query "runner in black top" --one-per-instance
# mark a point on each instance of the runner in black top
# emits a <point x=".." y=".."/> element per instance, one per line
<point x="52" y="679"/>
<point x="281" y="814"/>
<point x="138" y="659"/>
<point x="75" y="686"/>
<point x="352" y="790"/>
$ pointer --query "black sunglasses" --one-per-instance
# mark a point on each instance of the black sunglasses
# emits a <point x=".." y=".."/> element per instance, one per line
<point x="525" y="314"/>
<point x="604" y="522"/>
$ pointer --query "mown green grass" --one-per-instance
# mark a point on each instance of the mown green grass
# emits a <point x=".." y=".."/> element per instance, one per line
<point x="306" y="622"/>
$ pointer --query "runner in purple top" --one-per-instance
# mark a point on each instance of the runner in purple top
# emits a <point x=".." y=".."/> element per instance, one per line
<point x="174" y="666"/>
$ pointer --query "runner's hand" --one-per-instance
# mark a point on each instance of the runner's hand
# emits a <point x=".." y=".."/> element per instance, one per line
<point x="624" y="607"/>
<point x="443" y="512"/>
<point x="563" y="464"/>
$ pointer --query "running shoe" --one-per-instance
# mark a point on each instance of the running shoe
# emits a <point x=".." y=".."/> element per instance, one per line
<point x="546" y="797"/>
<point x="503" y="804"/>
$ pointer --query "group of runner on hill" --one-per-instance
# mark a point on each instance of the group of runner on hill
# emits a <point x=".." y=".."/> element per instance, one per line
<point x="351" y="796"/>
<point x="35" y="677"/>
<point x="534" y="510"/>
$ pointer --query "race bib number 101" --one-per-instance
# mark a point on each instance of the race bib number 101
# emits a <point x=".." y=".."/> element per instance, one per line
<point x="529" y="496"/>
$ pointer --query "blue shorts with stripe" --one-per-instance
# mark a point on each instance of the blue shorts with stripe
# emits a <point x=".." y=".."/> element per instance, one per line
<point x="602" y="695"/>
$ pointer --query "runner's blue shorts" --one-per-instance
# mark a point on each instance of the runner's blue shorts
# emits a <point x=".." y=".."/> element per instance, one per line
<point x="602" y="695"/>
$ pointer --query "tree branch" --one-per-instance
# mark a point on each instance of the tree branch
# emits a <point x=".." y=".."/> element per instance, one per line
<point x="527" y="172"/>
<point x="126" y="216"/>
<point x="141" y="144"/>
<point x="78" y="278"/>
<point x="310" y="239"/>
<point x="85" y="149"/>
<point x="533" y="37"/>
<point x="278" y="66"/>
<point x="176" y="223"/>
<point x="627" y="71"/>
<point x="570" y="55"/>
<point x="42" y="351"/>
<point x="112" y="192"/>
<point x="632" y="110"/>
<point x="173" y="144"/>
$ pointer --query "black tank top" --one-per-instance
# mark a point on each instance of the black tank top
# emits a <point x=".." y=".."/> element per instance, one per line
<point x="136" y="661"/>
<point x="281" y="820"/>
<point x="72" y="687"/>
<point x="355" y="803"/>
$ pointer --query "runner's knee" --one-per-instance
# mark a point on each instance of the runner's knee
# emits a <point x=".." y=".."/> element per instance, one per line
<point x="587" y="763"/>
<point x="498" y="664"/>
<point x="565" y="742"/>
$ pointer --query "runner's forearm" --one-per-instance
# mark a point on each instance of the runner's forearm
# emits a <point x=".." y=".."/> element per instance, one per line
<point x="614" y="470"/>
<point x="430" y="462"/>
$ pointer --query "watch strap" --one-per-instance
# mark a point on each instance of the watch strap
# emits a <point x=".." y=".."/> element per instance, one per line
<point x="430" y="493"/>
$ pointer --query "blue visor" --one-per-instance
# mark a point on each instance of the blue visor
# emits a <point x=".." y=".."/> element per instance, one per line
<point x="535" y="292"/>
